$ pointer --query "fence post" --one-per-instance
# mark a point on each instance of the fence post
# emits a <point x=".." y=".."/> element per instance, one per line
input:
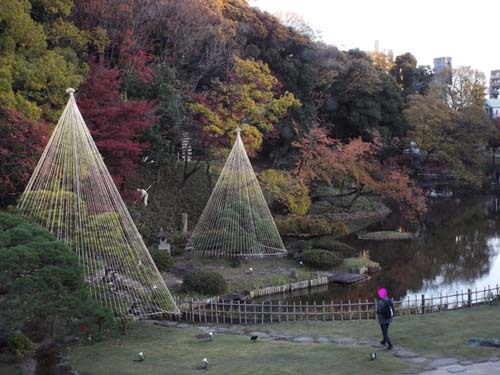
<point x="469" y="297"/>
<point x="231" y="312"/>
<point x="324" y="312"/>
<point x="191" y="309"/>
<point x="239" y="312"/>
<point x="262" y="313"/>
<point x="279" y="311"/>
<point x="216" y="313"/>
<point x="223" y="312"/>
<point x="423" y="304"/>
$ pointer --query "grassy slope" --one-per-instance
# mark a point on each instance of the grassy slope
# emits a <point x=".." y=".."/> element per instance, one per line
<point x="177" y="351"/>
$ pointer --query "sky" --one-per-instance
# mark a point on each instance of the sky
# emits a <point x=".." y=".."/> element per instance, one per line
<point x="467" y="31"/>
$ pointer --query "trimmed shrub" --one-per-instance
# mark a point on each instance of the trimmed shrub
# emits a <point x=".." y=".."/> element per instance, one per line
<point x="19" y="343"/>
<point x="306" y="225"/>
<point x="162" y="259"/>
<point x="321" y="259"/>
<point x="299" y="245"/>
<point x="330" y="244"/>
<point x="205" y="282"/>
<point x="178" y="241"/>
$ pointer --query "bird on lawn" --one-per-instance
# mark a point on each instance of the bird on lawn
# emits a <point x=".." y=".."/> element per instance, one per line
<point x="204" y="365"/>
<point x="140" y="357"/>
<point x="254" y="338"/>
<point x="373" y="356"/>
<point x="206" y="336"/>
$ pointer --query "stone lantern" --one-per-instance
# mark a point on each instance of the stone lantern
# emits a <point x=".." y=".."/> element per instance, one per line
<point x="163" y="241"/>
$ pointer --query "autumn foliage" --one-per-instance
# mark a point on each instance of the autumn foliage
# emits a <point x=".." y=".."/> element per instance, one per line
<point x="115" y="125"/>
<point x="356" y="168"/>
<point x="249" y="99"/>
<point x="21" y="144"/>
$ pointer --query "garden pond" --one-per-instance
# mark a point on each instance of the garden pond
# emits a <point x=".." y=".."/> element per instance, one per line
<point x="458" y="250"/>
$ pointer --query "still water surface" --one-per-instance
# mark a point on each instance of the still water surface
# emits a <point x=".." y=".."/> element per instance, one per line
<point x="460" y="249"/>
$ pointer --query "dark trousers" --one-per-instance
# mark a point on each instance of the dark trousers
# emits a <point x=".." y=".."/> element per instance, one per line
<point x="385" y="332"/>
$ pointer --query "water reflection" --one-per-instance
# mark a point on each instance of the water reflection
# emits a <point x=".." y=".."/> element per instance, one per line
<point x="460" y="249"/>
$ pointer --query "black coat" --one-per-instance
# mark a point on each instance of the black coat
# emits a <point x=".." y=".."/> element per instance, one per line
<point x="380" y="306"/>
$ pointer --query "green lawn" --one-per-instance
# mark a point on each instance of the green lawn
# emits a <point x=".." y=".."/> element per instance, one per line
<point x="178" y="351"/>
<point x="442" y="334"/>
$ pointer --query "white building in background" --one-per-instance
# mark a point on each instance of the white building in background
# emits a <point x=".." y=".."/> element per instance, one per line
<point x="492" y="107"/>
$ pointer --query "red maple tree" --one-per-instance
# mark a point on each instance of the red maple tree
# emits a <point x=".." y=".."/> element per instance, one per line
<point x="21" y="144"/>
<point x="134" y="59"/>
<point x="115" y="125"/>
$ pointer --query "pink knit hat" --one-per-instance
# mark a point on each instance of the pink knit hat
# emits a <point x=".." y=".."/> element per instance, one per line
<point x="382" y="292"/>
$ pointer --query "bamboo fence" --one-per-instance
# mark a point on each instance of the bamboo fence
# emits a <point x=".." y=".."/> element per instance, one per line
<point x="216" y="311"/>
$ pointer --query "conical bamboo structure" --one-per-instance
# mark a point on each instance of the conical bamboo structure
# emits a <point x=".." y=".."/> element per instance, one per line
<point x="236" y="221"/>
<point x="72" y="194"/>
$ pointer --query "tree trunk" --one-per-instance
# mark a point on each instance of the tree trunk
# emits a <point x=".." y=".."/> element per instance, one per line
<point x="53" y="326"/>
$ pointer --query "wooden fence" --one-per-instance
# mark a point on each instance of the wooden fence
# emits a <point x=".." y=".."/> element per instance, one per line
<point x="299" y="285"/>
<point x="241" y="312"/>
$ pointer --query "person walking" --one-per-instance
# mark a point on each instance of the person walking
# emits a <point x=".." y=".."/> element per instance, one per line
<point x="385" y="312"/>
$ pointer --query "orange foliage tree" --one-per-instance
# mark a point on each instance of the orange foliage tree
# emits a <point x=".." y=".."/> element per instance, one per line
<point x="357" y="170"/>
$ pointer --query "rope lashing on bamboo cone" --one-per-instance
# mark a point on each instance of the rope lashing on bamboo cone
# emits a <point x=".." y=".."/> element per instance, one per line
<point x="236" y="221"/>
<point x="72" y="194"/>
